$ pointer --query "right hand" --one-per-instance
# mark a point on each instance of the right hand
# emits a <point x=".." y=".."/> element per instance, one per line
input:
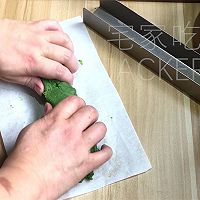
<point x="53" y="154"/>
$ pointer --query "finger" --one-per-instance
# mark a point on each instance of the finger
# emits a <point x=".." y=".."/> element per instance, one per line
<point x="94" y="134"/>
<point x="47" y="108"/>
<point x="49" y="25"/>
<point x="62" y="55"/>
<point x="59" y="38"/>
<point x="84" y="117"/>
<point x="69" y="106"/>
<point x="99" y="158"/>
<point x="50" y="69"/>
<point x="33" y="83"/>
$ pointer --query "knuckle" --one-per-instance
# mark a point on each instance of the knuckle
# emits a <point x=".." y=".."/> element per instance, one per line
<point x="54" y="23"/>
<point x="64" y="38"/>
<point x="67" y="130"/>
<point x="92" y="111"/>
<point x="50" y="119"/>
<point x="68" y="42"/>
<point x="67" y="55"/>
<point x="71" y="47"/>
<point x="102" y="126"/>
<point x="45" y="24"/>
<point x="63" y="74"/>
<point x="76" y="100"/>
<point x="30" y="61"/>
<point x="46" y="49"/>
<point x="60" y="70"/>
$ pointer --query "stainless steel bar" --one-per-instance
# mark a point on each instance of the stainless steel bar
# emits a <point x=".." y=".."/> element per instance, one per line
<point x="167" y="57"/>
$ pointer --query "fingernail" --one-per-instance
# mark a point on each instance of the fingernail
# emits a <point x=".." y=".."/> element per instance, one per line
<point x="38" y="89"/>
<point x="103" y="146"/>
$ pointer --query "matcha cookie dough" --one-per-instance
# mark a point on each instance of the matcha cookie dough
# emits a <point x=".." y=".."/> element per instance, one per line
<point x="54" y="92"/>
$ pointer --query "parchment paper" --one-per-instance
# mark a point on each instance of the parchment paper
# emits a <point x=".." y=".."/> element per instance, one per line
<point x="19" y="107"/>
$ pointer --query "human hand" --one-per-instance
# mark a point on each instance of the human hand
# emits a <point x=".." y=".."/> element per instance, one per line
<point x="30" y="50"/>
<point x="53" y="154"/>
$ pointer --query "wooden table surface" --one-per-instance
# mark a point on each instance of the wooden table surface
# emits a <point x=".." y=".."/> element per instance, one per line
<point x="167" y="122"/>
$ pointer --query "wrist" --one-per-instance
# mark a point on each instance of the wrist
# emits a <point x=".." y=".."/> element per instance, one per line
<point x="17" y="184"/>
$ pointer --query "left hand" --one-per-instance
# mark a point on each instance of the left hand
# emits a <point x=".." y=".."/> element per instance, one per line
<point x="30" y="50"/>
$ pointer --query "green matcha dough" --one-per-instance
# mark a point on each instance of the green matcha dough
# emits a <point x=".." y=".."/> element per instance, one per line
<point x="54" y="92"/>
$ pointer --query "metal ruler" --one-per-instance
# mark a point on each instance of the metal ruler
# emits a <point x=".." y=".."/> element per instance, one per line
<point x="155" y="49"/>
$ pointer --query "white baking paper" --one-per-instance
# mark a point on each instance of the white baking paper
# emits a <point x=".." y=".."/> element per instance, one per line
<point x="19" y="107"/>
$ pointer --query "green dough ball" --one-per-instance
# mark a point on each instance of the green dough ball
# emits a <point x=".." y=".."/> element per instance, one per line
<point x="55" y="91"/>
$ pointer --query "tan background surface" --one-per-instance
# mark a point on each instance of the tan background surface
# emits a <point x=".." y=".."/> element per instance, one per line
<point x="167" y="122"/>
